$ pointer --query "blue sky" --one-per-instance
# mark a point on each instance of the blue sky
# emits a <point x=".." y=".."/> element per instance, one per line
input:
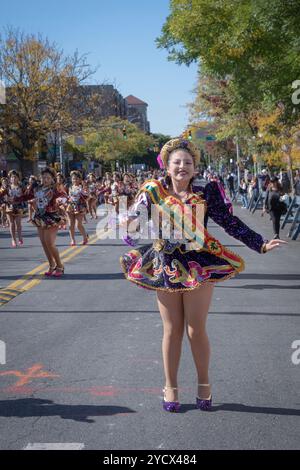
<point x="119" y="38"/>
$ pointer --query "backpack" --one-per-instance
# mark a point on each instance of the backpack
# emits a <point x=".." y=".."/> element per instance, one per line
<point x="282" y="207"/>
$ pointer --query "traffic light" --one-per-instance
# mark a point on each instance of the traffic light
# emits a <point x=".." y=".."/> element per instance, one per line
<point x="57" y="166"/>
<point x="190" y="135"/>
<point x="124" y="133"/>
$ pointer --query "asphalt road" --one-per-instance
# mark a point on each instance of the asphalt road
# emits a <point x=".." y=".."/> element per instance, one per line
<point x="83" y="354"/>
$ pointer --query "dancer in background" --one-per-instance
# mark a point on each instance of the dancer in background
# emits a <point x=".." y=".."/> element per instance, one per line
<point x="93" y="195"/>
<point x="62" y="201"/>
<point x="14" y="208"/>
<point x="47" y="218"/>
<point x="77" y="207"/>
<point x="129" y="188"/>
<point x="115" y="191"/>
<point x="3" y="201"/>
<point x="31" y="205"/>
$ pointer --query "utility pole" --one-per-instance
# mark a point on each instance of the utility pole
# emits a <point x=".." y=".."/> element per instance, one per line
<point x="238" y="161"/>
<point x="61" y="160"/>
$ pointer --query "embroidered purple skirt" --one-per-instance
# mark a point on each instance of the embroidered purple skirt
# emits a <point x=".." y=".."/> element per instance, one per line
<point x="156" y="267"/>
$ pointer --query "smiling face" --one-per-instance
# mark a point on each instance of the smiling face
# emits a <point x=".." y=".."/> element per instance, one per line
<point x="14" y="180"/>
<point x="75" y="180"/>
<point x="47" y="179"/>
<point x="91" y="178"/>
<point x="181" y="166"/>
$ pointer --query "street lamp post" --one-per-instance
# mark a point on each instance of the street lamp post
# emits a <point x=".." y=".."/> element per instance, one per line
<point x="61" y="159"/>
<point x="238" y="160"/>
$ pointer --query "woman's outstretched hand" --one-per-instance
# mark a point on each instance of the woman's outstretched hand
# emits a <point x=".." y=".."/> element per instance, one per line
<point x="274" y="244"/>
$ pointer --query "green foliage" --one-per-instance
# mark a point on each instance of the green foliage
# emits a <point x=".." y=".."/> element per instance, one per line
<point x="254" y="43"/>
<point x="249" y="55"/>
<point x="105" y="141"/>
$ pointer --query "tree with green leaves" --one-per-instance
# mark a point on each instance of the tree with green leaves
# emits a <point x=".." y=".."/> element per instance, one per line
<point x="105" y="141"/>
<point x="250" y="46"/>
<point x="43" y="93"/>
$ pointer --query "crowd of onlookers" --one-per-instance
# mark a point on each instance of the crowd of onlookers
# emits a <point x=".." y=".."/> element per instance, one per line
<point x="276" y="190"/>
<point x="252" y="185"/>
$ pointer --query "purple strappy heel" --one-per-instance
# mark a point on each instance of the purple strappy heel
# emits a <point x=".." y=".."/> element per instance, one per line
<point x="204" y="404"/>
<point x="172" y="406"/>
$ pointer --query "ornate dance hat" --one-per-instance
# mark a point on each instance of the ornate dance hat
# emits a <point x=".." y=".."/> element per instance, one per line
<point x="76" y="173"/>
<point x="14" y="173"/>
<point x="49" y="170"/>
<point x="179" y="143"/>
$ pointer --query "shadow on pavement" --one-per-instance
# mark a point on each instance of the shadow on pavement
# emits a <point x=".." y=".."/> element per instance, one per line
<point x="31" y="407"/>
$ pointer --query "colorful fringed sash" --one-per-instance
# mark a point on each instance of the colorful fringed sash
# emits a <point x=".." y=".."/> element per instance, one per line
<point x="176" y="211"/>
<point x="192" y="228"/>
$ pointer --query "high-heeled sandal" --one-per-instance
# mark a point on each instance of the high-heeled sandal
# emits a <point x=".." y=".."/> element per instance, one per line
<point x="58" y="272"/>
<point x="172" y="406"/>
<point x="50" y="271"/>
<point x="204" y="404"/>
<point x="86" y="240"/>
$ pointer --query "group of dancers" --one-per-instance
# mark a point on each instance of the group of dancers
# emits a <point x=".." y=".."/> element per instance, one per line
<point x="53" y="204"/>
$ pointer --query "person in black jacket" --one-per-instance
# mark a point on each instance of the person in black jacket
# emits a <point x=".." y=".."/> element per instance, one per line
<point x="273" y="205"/>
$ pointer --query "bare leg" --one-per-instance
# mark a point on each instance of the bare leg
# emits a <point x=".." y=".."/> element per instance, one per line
<point x="71" y="221"/>
<point x="12" y="226"/>
<point x="196" y="304"/>
<point x="19" y="226"/>
<point x="30" y="211"/>
<point x="41" y="232"/>
<point x="79" y="219"/>
<point x="50" y="238"/>
<point x="90" y="207"/>
<point x="3" y="215"/>
<point x="94" y="207"/>
<point x="171" y="311"/>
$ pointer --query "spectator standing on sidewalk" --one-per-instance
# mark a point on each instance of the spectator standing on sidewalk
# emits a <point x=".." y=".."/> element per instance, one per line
<point x="264" y="180"/>
<point x="254" y="188"/>
<point x="230" y="183"/>
<point x="273" y="204"/>
<point x="243" y="191"/>
<point x="285" y="181"/>
<point x="297" y="183"/>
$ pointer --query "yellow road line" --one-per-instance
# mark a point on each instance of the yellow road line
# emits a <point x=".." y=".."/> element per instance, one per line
<point x="9" y="291"/>
<point x="36" y="270"/>
<point x="4" y="297"/>
<point x="30" y="284"/>
<point x="27" y="282"/>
